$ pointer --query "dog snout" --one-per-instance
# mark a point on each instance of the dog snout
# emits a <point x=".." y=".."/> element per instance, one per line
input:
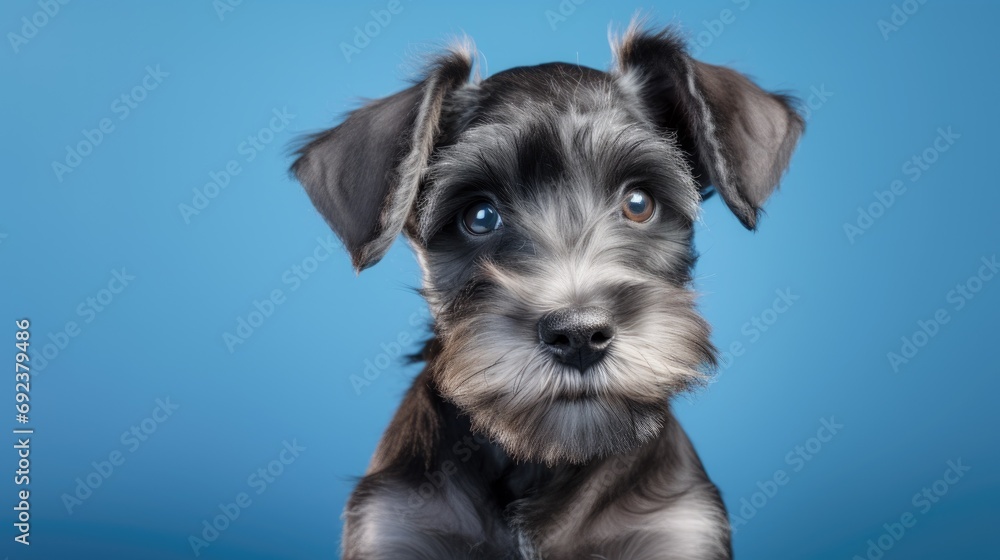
<point x="577" y="336"/>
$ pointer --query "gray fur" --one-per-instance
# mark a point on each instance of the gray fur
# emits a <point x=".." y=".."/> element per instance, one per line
<point x="500" y="450"/>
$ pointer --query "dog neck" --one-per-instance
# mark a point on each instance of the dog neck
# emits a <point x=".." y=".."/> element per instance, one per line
<point x="433" y="472"/>
<point x="430" y="440"/>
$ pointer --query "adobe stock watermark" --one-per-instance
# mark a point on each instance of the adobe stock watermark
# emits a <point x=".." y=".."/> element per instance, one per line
<point x="928" y="328"/>
<point x="44" y="352"/>
<point x="392" y="350"/>
<point x="922" y="502"/>
<point x="258" y="481"/>
<point x="817" y="98"/>
<point x="131" y="440"/>
<point x="122" y="107"/>
<point x="292" y="278"/>
<point x="562" y="12"/>
<point x="248" y="150"/>
<point x="363" y="34"/>
<point x="32" y="24"/>
<point x="899" y="15"/>
<point x="796" y="459"/>
<point x="712" y="29"/>
<point x="435" y="479"/>
<point x="755" y="328"/>
<point x="913" y="168"/>
<point x="225" y="7"/>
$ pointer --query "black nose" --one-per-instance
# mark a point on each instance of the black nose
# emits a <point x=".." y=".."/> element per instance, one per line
<point x="577" y="336"/>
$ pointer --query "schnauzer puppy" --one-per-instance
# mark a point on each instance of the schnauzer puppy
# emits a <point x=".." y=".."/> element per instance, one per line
<point x="551" y="209"/>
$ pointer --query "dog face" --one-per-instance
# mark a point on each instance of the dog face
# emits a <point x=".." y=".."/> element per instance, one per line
<point x="552" y="210"/>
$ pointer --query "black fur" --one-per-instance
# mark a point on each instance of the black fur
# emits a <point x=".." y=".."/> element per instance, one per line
<point x="498" y="451"/>
<point x="754" y="154"/>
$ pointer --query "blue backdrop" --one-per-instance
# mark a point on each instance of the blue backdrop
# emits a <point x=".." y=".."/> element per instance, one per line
<point x="194" y="327"/>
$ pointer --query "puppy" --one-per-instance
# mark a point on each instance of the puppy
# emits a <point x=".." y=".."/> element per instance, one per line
<point x="551" y="209"/>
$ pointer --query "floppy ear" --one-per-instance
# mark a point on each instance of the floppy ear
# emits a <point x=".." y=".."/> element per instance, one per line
<point x="739" y="137"/>
<point x="363" y="175"/>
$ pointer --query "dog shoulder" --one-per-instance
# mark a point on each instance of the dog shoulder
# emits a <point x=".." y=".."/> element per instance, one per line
<point x="392" y="517"/>
<point x="413" y="432"/>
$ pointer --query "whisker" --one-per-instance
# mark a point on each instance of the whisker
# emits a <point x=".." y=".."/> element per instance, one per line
<point x="484" y="370"/>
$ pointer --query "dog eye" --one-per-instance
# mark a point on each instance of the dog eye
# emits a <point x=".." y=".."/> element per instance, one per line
<point x="638" y="206"/>
<point x="481" y="218"/>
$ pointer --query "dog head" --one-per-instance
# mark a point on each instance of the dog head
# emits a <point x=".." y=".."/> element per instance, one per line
<point x="552" y="210"/>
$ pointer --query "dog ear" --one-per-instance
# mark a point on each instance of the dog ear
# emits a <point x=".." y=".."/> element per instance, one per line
<point x="364" y="174"/>
<point x="738" y="137"/>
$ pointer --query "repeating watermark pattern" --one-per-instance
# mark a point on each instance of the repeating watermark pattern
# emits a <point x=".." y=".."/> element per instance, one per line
<point x="913" y="168"/>
<point x="712" y="29"/>
<point x="225" y="7"/>
<point x="363" y="34"/>
<point x="755" y="328"/>
<point x="131" y="440"/>
<point x="796" y="459"/>
<point x="817" y="98"/>
<point x="248" y="149"/>
<point x="922" y="502"/>
<point x="898" y="17"/>
<point x="33" y="24"/>
<point x="221" y="518"/>
<point x="258" y="481"/>
<point x="45" y="352"/>
<point x="958" y="297"/>
<point x="292" y="278"/>
<point x="390" y="350"/>
<point x="563" y="11"/>
<point x="122" y="107"/>
<point x="435" y="479"/>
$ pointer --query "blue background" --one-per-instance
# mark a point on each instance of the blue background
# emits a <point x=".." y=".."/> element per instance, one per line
<point x="162" y="336"/>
